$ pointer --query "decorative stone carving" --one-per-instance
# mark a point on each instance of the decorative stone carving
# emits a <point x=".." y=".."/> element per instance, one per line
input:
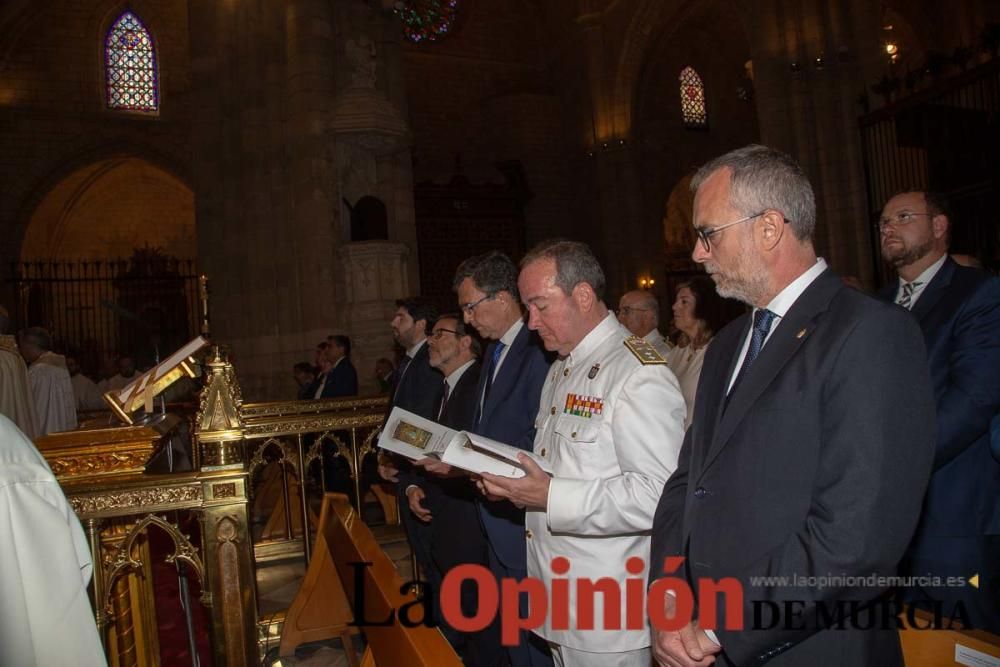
<point x="361" y="55"/>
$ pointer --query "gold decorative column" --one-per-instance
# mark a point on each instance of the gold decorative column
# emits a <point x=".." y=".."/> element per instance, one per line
<point x="225" y="521"/>
<point x="218" y="425"/>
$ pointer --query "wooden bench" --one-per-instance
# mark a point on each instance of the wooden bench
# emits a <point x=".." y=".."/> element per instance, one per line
<point x="936" y="648"/>
<point x="322" y="610"/>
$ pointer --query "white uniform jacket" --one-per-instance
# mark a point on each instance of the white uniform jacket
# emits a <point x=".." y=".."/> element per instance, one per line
<point x="612" y="427"/>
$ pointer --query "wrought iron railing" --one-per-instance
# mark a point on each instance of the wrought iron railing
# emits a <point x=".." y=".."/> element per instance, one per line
<point x="143" y="306"/>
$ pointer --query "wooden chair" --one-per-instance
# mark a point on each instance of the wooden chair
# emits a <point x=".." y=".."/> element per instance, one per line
<point x="342" y="540"/>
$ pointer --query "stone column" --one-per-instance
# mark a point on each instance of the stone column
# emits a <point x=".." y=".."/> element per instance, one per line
<point x="811" y="61"/>
<point x="262" y="80"/>
<point x="375" y="274"/>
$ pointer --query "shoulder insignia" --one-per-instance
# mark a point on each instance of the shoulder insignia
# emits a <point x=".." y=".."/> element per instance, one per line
<point x="643" y="351"/>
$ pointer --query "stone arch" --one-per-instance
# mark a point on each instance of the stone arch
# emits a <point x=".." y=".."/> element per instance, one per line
<point x="110" y="207"/>
<point x="35" y="185"/>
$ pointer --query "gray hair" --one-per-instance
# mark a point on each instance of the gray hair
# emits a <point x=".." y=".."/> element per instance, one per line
<point x="492" y="273"/>
<point x="764" y="178"/>
<point x="575" y="264"/>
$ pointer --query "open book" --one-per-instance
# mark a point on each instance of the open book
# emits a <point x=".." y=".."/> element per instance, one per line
<point x="414" y="437"/>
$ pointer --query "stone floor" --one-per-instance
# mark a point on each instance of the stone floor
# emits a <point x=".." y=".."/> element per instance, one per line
<point x="278" y="582"/>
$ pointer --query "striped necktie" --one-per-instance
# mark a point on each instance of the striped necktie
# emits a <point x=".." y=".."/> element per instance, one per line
<point x="906" y="298"/>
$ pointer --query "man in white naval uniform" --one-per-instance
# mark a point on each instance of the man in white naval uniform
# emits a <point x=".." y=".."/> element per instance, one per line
<point x="610" y="423"/>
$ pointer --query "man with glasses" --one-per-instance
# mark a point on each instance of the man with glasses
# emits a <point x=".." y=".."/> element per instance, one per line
<point x="811" y="442"/>
<point x="958" y="309"/>
<point x="448" y="504"/>
<point x="639" y="311"/>
<point x="514" y="368"/>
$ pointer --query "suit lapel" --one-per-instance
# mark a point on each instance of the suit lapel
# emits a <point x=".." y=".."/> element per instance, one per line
<point x="721" y="372"/>
<point x="934" y="291"/>
<point x="792" y="331"/>
<point x="505" y="375"/>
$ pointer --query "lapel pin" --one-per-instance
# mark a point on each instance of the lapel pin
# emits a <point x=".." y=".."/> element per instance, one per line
<point x="801" y="333"/>
<point x="593" y="371"/>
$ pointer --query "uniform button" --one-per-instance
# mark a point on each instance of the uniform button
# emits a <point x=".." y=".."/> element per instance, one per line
<point x="573" y="434"/>
<point x="700" y="492"/>
<point x="565" y="372"/>
<point x="553" y="409"/>
<point x="527" y="534"/>
<point x="543" y="451"/>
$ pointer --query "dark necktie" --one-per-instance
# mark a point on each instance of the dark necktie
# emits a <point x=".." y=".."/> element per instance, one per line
<point x="398" y="379"/>
<point x="906" y="298"/>
<point x="762" y="320"/>
<point x="444" y="399"/>
<point x="490" y="371"/>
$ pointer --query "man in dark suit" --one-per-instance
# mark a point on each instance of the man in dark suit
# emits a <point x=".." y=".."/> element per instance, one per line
<point x="514" y="368"/>
<point x="811" y="443"/>
<point x="322" y="364"/>
<point x="417" y="386"/>
<point x="342" y="378"/>
<point x="958" y="309"/>
<point x="418" y="389"/>
<point x="448" y="504"/>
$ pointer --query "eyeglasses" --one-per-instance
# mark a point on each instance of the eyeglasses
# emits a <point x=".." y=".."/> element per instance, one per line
<point x="471" y="307"/>
<point x="898" y="220"/>
<point x="628" y="310"/>
<point x="437" y="333"/>
<point x="705" y="234"/>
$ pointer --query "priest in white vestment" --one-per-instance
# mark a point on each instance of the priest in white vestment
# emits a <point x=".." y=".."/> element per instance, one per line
<point x="88" y="396"/>
<point x="51" y="387"/>
<point x="45" y="613"/>
<point x="15" y="396"/>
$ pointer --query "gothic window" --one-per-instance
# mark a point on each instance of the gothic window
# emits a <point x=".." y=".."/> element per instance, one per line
<point x="427" y="20"/>
<point x="130" y="66"/>
<point x="693" y="99"/>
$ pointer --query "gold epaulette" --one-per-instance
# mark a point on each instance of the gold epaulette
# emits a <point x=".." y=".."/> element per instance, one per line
<point x="643" y="351"/>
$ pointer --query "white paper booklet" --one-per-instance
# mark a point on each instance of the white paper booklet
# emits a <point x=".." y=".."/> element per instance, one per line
<point x="414" y="437"/>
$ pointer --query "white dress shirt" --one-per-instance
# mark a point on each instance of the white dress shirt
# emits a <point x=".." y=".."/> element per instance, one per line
<point x="920" y="282"/>
<point x="780" y="306"/>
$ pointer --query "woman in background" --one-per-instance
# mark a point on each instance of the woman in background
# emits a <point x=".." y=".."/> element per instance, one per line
<point x="698" y="313"/>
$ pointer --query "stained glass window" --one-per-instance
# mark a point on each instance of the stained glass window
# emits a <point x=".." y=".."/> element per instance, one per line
<point x="427" y="20"/>
<point x="130" y="66"/>
<point x="693" y="98"/>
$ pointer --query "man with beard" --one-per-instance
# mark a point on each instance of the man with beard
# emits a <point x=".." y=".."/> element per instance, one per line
<point x="958" y="309"/>
<point x="448" y="503"/>
<point x="418" y="389"/>
<point x="811" y="442"/>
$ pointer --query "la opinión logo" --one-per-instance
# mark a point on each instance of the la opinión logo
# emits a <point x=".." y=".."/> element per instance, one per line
<point x="502" y="598"/>
<point x="640" y="604"/>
